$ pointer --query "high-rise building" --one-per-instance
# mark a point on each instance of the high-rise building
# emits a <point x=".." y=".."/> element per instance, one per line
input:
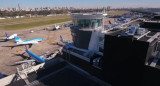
<point x="19" y="8"/>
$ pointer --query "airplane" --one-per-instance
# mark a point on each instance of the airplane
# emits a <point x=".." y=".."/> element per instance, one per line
<point x="34" y="57"/>
<point x="110" y="22"/>
<point x="106" y="27"/>
<point x="115" y="20"/>
<point x="68" y="25"/>
<point x="119" y="21"/>
<point x="123" y="19"/>
<point x="19" y="42"/>
<point x="71" y="45"/>
<point x="12" y="46"/>
<point x="113" y="24"/>
<point x="24" y="42"/>
<point x="9" y="37"/>
<point x="56" y="27"/>
<point x="66" y="42"/>
<point x="131" y="31"/>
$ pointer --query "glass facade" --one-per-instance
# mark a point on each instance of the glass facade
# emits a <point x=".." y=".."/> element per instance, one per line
<point x="88" y="23"/>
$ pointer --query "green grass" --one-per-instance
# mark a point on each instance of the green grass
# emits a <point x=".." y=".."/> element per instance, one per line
<point x="33" y="24"/>
<point x="25" y="19"/>
<point x="111" y="13"/>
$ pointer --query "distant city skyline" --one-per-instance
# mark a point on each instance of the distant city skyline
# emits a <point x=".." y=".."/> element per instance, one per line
<point x="80" y="3"/>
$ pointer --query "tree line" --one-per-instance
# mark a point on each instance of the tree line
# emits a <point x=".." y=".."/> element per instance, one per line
<point x="46" y="12"/>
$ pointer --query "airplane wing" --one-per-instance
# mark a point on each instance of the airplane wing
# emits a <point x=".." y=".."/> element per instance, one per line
<point x="3" y="40"/>
<point x="45" y="54"/>
<point x="34" y="42"/>
<point x="25" y="61"/>
<point x="12" y="46"/>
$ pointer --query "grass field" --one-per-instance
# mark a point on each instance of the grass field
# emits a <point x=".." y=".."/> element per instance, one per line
<point x="111" y="13"/>
<point x="33" y="24"/>
<point x="26" y="19"/>
<point x="30" y="22"/>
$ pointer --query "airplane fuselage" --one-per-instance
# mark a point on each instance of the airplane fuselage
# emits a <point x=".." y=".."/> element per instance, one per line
<point x="35" y="57"/>
<point x="31" y="41"/>
<point x="12" y="36"/>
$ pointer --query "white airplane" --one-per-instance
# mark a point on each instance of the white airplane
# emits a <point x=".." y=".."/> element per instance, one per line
<point x="7" y="37"/>
<point x="56" y="27"/>
<point x="10" y="37"/>
<point x="71" y="45"/>
<point x="20" y="42"/>
<point x="24" y="42"/>
<point x="66" y="42"/>
<point x="131" y="31"/>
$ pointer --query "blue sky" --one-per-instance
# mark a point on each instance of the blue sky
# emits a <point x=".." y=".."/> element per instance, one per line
<point x="79" y="3"/>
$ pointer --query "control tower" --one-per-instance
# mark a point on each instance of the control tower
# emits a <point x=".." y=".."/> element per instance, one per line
<point x="86" y="31"/>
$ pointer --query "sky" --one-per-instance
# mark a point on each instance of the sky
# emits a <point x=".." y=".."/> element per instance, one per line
<point x="79" y="3"/>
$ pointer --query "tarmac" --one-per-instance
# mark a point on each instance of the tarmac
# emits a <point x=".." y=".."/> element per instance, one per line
<point x="8" y="55"/>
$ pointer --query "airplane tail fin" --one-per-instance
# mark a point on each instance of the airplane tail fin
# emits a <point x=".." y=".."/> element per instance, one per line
<point x="132" y="30"/>
<point x="6" y="35"/>
<point x="115" y="20"/>
<point x="17" y="39"/>
<point x="110" y="22"/>
<point x="61" y="39"/>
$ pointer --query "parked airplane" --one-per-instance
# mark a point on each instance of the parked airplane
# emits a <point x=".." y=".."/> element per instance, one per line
<point x="12" y="46"/>
<point x="119" y="21"/>
<point x="56" y="27"/>
<point x="123" y="19"/>
<point x="7" y="37"/>
<point x="23" y="42"/>
<point x="66" y="42"/>
<point x="71" y="45"/>
<point x="131" y="31"/>
<point x="113" y="24"/>
<point x="110" y="22"/>
<point x="10" y="37"/>
<point x="34" y="57"/>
